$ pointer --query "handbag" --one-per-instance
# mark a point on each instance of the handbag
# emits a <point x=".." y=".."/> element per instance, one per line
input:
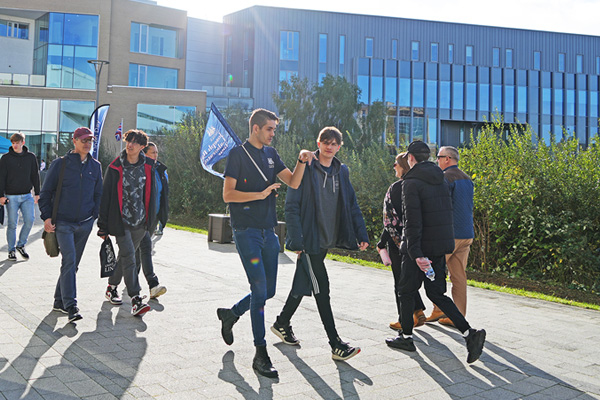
<point x="50" y="241"/>
<point x="108" y="260"/>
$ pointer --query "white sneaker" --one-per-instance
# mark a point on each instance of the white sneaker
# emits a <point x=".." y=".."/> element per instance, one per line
<point x="156" y="291"/>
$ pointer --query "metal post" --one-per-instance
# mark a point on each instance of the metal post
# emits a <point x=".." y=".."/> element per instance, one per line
<point x="98" y="67"/>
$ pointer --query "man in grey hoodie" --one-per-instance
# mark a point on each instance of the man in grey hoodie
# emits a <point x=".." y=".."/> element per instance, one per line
<point x="321" y="214"/>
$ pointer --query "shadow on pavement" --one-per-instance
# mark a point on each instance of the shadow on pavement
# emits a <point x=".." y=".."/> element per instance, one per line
<point x="229" y="373"/>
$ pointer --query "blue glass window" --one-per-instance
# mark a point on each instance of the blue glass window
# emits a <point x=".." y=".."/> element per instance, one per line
<point x="434" y="52"/>
<point x="537" y="56"/>
<point x="471" y="96"/>
<point x="509" y="99"/>
<point x="581" y="103"/>
<point x="18" y="30"/>
<point x="369" y="47"/>
<point x="74" y="114"/>
<point x="593" y="103"/>
<point x="546" y="134"/>
<point x="561" y="62"/>
<point x="322" y="57"/>
<point x="342" y="54"/>
<point x="546" y="100"/>
<point x="364" y="72"/>
<point x="391" y="82"/>
<point x="404" y="69"/>
<point x="484" y="97"/>
<point x="450" y="53"/>
<point x="579" y="63"/>
<point x="154" y="77"/>
<point x="457" y="96"/>
<point x="394" y="49"/>
<point x="497" y="98"/>
<point x="289" y="48"/>
<point x="509" y="58"/>
<point x="495" y="57"/>
<point x="444" y="94"/>
<point x="431" y="94"/>
<point x="414" y="54"/>
<point x="418" y="92"/>
<point x="154" y="117"/>
<point x="558" y="102"/>
<point x="469" y="55"/>
<point x="153" y="39"/>
<point x="404" y="92"/>
<point x="377" y="80"/>
<point x="522" y="99"/>
<point x="432" y="130"/>
<point x="81" y="30"/>
<point x="570" y="102"/>
<point x="597" y="65"/>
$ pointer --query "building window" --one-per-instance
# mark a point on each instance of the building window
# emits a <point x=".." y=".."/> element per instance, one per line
<point x="391" y="82"/>
<point x="414" y="54"/>
<point x="289" y="49"/>
<point x="561" y="62"/>
<point x="450" y="53"/>
<point x="369" y="47"/>
<point x="495" y="57"/>
<point x="154" y="117"/>
<point x="597" y="65"/>
<point x="153" y="77"/>
<point x="579" y="63"/>
<point x="376" y="80"/>
<point x="509" y="58"/>
<point x="537" y="56"/>
<point x="434" y="52"/>
<point x="153" y="39"/>
<point x="469" y="55"/>
<point x="364" y="72"/>
<point x="342" y="52"/>
<point x="394" y="49"/>
<point x="322" y="67"/>
<point x="14" y="29"/>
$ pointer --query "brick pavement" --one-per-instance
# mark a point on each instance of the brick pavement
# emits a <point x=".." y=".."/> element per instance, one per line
<point x="535" y="349"/>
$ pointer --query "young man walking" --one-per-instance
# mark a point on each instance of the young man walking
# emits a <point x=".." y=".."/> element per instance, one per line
<point x="78" y="207"/>
<point x="427" y="237"/>
<point x="19" y="173"/>
<point x="321" y="214"/>
<point x="250" y="188"/>
<point x="127" y="211"/>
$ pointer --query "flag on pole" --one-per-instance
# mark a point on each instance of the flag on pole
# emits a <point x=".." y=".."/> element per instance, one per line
<point x="119" y="132"/>
<point x="217" y="142"/>
<point x="96" y="122"/>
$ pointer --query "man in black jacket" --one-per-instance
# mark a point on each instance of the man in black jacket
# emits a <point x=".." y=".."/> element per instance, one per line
<point x="19" y="173"/>
<point x="427" y="237"/>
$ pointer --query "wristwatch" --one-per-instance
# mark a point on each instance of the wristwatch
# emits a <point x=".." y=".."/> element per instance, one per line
<point x="301" y="162"/>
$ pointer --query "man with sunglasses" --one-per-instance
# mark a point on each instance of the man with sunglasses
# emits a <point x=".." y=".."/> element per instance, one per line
<point x="78" y="207"/>
<point x="461" y="190"/>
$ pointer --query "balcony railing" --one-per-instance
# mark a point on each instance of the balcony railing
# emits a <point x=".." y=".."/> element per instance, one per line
<point x="7" y="78"/>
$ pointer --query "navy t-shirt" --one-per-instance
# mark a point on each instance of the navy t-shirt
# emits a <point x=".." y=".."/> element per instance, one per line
<point x="258" y="214"/>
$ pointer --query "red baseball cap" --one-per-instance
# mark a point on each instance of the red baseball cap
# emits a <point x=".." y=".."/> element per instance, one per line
<point x="82" y="133"/>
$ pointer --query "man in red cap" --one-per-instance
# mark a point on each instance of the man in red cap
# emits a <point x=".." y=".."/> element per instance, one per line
<point x="78" y="207"/>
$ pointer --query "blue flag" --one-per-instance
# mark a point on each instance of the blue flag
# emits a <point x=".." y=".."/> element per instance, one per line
<point x="217" y="142"/>
<point x="96" y="121"/>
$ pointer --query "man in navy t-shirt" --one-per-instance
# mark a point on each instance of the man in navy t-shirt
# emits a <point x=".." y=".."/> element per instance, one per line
<point x="250" y="188"/>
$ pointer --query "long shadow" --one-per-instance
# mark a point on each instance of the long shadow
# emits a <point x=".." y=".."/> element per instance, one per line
<point x="229" y="373"/>
<point x="91" y="363"/>
<point x="349" y="377"/>
<point x="504" y="371"/>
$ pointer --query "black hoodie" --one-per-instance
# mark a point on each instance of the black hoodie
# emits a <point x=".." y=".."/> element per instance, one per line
<point x="427" y="206"/>
<point x="19" y="172"/>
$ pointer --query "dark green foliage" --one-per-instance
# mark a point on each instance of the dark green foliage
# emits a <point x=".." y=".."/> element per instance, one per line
<point x="536" y="213"/>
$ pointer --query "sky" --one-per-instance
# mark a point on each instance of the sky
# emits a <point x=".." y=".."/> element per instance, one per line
<point x="570" y="16"/>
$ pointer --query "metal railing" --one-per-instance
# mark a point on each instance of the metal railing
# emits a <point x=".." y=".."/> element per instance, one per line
<point x="7" y="78"/>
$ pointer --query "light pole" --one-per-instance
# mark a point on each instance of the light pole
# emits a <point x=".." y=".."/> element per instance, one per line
<point x="98" y="67"/>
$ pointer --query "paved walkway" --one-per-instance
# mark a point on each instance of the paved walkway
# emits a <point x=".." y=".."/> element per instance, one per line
<point x="535" y="349"/>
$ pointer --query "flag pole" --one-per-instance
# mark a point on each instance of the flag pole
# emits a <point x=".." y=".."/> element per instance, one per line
<point x="120" y="151"/>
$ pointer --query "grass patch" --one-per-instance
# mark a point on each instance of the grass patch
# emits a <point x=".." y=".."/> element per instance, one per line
<point x="351" y="260"/>
<point x="187" y="229"/>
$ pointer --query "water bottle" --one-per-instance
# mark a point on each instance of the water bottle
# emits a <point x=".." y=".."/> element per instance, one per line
<point x="429" y="272"/>
<point x="385" y="257"/>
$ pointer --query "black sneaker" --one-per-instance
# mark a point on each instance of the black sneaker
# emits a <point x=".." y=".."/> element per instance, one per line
<point x="285" y="333"/>
<point x="138" y="307"/>
<point x="402" y="343"/>
<point x="22" y="252"/>
<point x="475" y="342"/>
<point x="12" y="256"/>
<point x="342" y="351"/>
<point x="74" y="314"/>
<point x="113" y="296"/>
<point x="58" y="306"/>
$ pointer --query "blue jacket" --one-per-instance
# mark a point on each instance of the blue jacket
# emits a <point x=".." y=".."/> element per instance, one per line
<point x="81" y="190"/>
<point x="461" y="190"/>
<point x="301" y="214"/>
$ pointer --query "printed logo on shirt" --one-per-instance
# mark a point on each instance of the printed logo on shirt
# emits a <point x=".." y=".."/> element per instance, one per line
<point x="271" y="163"/>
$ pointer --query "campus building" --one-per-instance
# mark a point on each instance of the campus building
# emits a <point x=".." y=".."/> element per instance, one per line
<point x="48" y="87"/>
<point x="438" y="80"/>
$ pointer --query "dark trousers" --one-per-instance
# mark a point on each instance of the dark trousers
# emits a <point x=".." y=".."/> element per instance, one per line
<point x="323" y="299"/>
<point x="396" y="258"/>
<point x="128" y="245"/>
<point x="143" y="260"/>
<point x="411" y="278"/>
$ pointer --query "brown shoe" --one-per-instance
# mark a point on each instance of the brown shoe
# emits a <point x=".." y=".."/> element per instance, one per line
<point x="435" y="315"/>
<point x="419" y="318"/>
<point x="396" y="326"/>
<point x="447" y="322"/>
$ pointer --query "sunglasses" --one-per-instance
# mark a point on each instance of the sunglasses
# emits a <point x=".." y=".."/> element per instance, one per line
<point x="438" y="157"/>
<point x="88" y="140"/>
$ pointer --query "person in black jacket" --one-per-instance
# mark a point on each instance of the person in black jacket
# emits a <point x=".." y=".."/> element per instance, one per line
<point x="77" y="209"/>
<point x="321" y="214"/>
<point x="19" y="173"/>
<point x="127" y="211"/>
<point x="143" y="256"/>
<point x="428" y="236"/>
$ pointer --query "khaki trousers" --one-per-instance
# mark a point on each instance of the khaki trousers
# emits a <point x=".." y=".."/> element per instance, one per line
<point x="457" y="268"/>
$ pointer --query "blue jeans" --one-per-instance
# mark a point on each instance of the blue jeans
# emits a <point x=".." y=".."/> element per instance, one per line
<point x="26" y="204"/>
<point x="71" y="238"/>
<point x="259" y="252"/>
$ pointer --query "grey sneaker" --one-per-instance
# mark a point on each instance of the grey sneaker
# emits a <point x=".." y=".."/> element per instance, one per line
<point x="156" y="291"/>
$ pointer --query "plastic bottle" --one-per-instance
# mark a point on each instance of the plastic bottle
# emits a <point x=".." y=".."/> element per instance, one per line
<point x="429" y="272"/>
<point x="385" y="257"/>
